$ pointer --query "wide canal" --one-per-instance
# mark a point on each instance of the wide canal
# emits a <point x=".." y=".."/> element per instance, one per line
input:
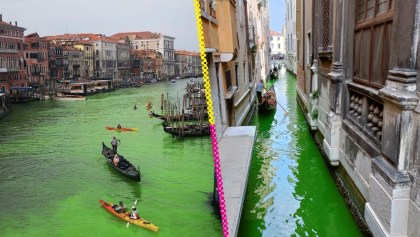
<point x="290" y="191"/>
<point x="52" y="171"/>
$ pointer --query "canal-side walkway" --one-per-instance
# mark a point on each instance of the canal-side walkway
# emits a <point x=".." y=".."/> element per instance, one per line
<point x="235" y="150"/>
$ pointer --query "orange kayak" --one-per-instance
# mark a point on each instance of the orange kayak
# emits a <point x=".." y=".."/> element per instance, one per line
<point x="125" y="216"/>
<point x="122" y="129"/>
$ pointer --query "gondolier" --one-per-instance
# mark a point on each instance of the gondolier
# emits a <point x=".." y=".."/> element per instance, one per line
<point x="115" y="142"/>
<point x="259" y="88"/>
<point x="124" y="166"/>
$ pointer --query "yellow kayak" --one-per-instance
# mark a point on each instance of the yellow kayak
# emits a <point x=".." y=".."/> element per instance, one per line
<point x="125" y="216"/>
<point x="122" y="129"/>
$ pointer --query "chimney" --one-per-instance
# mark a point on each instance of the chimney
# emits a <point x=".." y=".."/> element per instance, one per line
<point x="15" y="23"/>
<point x="10" y="22"/>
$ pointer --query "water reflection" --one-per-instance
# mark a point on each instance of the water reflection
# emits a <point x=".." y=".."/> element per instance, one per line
<point x="290" y="191"/>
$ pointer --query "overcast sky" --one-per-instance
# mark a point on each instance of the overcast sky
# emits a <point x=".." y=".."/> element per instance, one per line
<point x="51" y="17"/>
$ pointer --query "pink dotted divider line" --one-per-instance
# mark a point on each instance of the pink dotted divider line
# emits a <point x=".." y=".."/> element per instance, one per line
<point x="209" y="102"/>
<point x="219" y="180"/>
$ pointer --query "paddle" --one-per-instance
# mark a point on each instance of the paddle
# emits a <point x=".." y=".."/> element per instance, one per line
<point x="128" y="223"/>
<point x="282" y="108"/>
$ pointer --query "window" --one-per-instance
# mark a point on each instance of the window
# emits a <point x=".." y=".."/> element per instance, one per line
<point x="228" y="80"/>
<point x="236" y="75"/>
<point x="309" y="49"/>
<point x="372" y="41"/>
<point x="244" y="72"/>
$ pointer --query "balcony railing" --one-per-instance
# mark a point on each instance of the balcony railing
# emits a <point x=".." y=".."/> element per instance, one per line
<point x="9" y="51"/>
<point x="367" y="113"/>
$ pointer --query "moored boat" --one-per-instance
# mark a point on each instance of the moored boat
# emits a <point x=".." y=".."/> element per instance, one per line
<point x="187" y="116"/>
<point x="70" y="98"/>
<point x="187" y="130"/>
<point x="122" y="129"/>
<point x="125" y="216"/>
<point x="124" y="166"/>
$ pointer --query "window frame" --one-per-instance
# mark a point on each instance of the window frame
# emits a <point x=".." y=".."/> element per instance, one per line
<point x="371" y="24"/>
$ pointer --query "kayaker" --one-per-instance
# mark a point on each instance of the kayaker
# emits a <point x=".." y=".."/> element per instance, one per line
<point x="119" y="208"/>
<point x="119" y="126"/>
<point x="134" y="213"/>
<point x="115" y="142"/>
<point x="135" y="107"/>
<point x="149" y="106"/>
<point x="116" y="160"/>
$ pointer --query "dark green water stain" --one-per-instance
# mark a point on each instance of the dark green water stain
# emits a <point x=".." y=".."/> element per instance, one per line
<point x="290" y="191"/>
<point x="53" y="174"/>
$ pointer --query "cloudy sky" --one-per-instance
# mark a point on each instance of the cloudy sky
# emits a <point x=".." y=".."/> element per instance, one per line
<point x="51" y="17"/>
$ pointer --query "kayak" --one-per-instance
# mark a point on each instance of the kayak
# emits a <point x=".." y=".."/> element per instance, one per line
<point x="122" y="129"/>
<point x="125" y="216"/>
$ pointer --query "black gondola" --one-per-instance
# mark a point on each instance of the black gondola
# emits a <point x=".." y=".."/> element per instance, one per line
<point x="188" y="130"/>
<point x="269" y="102"/>
<point x="188" y="116"/>
<point x="124" y="166"/>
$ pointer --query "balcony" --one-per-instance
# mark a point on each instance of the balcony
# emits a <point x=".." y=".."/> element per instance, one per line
<point x="9" y="51"/>
<point x="5" y="69"/>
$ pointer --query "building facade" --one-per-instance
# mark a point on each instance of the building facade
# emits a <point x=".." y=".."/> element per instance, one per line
<point x="277" y="45"/>
<point x="146" y="64"/>
<point x="147" y="40"/>
<point x="56" y="61"/>
<point x="168" y="52"/>
<point x="123" y="60"/>
<point x="364" y="87"/>
<point x="37" y="64"/>
<point x="88" y="69"/>
<point x="229" y="53"/>
<point x="12" y="61"/>
<point x="73" y="60"/>
<point x="106" y="59"/>
<point x="187" y="64"/>
<point x="291" y="39"/>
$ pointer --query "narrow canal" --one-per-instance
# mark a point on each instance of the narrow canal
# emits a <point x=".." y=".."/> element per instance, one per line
<point x="290" y="191"/>
<point x="52" y="171"/>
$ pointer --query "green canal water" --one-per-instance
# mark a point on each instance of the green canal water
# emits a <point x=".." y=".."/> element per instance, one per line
<point x="290" y="190"/>
<point x="52" y="172"/>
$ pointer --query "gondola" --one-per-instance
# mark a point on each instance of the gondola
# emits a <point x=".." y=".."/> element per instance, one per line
<point x="188" y="130"/>
<point x="187" y="116"/>
<point x="268" y="101"/>
<point x="153" y="114"/>
<point x="124" y="166"/>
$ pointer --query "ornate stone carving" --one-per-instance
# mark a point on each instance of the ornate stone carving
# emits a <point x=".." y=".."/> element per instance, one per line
<point x="326" y="6"/>
<point x="371" y="119"/>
